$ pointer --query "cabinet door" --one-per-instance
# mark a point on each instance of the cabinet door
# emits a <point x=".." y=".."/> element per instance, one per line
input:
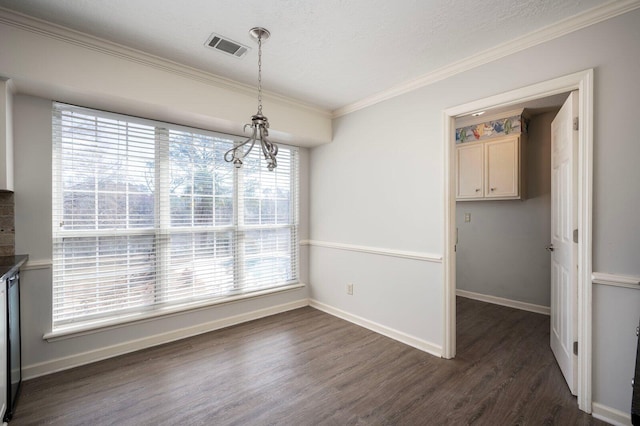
<point x="502" y="165"/>
<point x="469" y="163"/>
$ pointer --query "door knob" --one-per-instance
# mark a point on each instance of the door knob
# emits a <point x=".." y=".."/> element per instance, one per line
<point x="549" y="247"/>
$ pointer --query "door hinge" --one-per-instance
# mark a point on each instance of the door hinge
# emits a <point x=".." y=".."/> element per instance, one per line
<point x="576" y="123"/>
<point x="575" y="348"/>
<point x="575" y="236"/>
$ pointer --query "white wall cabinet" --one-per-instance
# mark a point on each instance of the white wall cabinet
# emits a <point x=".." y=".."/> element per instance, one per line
<point x="470" y="165"/>
<point x="491" y="169"/>
<point x="6" y="135"/>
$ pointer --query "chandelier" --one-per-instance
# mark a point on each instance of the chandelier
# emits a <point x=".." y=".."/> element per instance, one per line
<point x="259" y="123"/>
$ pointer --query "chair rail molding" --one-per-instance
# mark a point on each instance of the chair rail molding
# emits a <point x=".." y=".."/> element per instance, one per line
<point x="616" y="280"/>
<point x="32" y="265"/>
<point x="413" y="255"/>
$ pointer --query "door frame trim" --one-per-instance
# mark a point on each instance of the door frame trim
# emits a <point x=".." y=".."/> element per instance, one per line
<point x="583" y="82"/>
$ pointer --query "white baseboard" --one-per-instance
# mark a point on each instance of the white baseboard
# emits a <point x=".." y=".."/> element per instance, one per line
<point x="59" y="364"/>
<point x="538" y="309"/>
<point x="423" y="345"/>
<point x="610" y="415"/>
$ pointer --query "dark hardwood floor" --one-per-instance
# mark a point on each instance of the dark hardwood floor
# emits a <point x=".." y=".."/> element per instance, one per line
<point x="305" y="367"/>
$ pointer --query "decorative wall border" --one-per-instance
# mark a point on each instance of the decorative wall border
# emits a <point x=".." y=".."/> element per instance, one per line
<point x="616" y="280"/>
<point x="413" y="255"/>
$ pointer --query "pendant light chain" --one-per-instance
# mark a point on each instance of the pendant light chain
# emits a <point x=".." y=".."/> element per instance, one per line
<point x="259" y="123"/>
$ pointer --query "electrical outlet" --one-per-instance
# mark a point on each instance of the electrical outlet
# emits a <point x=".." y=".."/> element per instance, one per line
<point x="467" y="217"/>
<point x="350" y="289"/>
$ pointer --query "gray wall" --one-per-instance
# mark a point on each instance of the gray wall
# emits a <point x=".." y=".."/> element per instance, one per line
<point x="380" y="184"/>
<point x="501" y="251"/>
<point x="32" y="119"/>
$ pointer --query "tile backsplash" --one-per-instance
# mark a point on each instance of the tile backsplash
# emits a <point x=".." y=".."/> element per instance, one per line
<point x="7" y="225"/>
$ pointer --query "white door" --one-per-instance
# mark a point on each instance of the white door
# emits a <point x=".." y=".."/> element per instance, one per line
<point x="563" y="249"/>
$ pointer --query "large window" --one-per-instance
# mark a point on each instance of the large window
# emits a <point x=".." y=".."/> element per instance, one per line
<point x="148" y="216"/>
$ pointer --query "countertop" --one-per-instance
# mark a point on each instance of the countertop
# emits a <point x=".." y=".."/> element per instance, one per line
<point x="10" y="264"/>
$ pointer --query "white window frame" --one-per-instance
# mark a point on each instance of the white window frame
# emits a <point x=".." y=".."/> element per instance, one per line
<point x="163" y="229"/>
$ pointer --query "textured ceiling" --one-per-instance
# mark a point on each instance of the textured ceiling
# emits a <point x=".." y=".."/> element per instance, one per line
<point x="330" y="53"/>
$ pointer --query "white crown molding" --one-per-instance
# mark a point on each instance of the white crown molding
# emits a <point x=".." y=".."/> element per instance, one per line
<point x="593" y="16"/>
<point x="413" y="255"/>
<point x="67" y="35"/>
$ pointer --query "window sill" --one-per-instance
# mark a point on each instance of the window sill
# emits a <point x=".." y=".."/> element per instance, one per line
<point x="103" y="325"/>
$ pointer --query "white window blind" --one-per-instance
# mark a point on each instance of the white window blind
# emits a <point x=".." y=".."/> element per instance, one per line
<point x="148" y="215"/>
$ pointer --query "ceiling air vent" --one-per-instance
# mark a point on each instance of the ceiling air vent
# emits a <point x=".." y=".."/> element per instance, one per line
<point x="224" y="45"/>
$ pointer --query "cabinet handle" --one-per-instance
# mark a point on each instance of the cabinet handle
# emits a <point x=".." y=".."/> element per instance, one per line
<point x="477" y="189"/>
<point x="493" y="189"/>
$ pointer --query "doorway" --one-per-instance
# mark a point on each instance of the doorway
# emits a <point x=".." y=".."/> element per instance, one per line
<point x="583" y="83"/>
<point x="501" y="239"/>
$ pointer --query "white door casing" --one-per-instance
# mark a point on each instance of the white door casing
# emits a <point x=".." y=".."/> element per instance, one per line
<point x="563" y="250"/>
<point x="583" y="82"/>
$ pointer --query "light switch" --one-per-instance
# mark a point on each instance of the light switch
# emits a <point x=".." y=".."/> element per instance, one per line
<point x="467" y="217"/>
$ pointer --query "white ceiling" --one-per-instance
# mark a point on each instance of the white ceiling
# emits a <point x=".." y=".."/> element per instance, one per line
<point x="329" y="53"/>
